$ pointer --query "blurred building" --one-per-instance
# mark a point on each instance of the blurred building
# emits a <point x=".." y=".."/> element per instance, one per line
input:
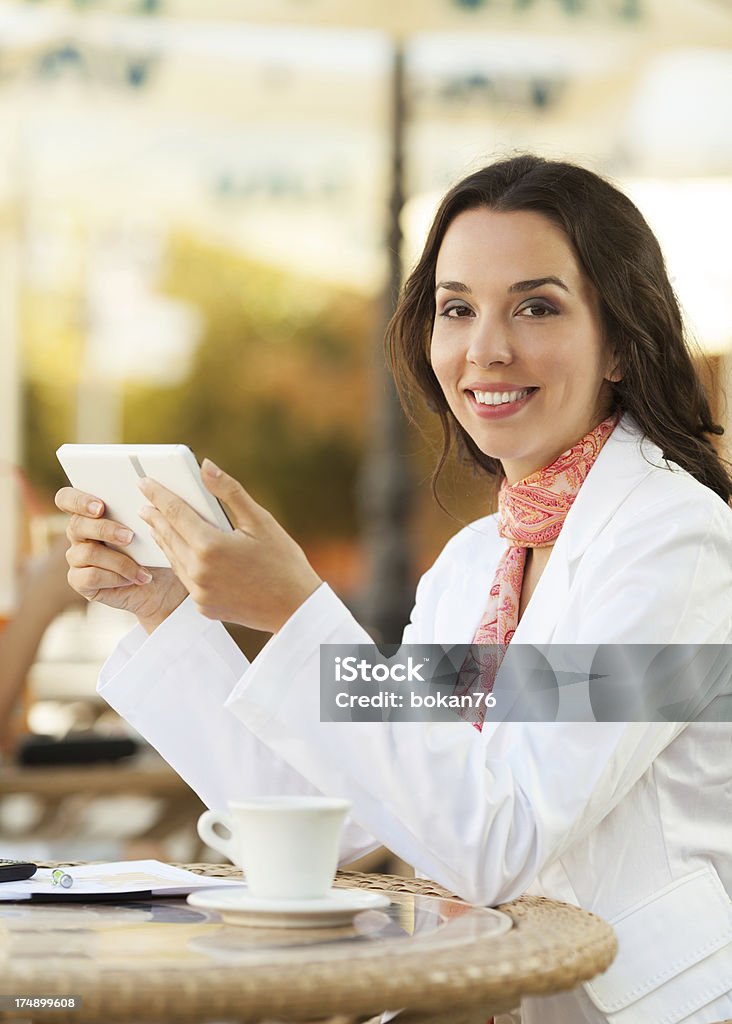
<point x="262" y="126"/>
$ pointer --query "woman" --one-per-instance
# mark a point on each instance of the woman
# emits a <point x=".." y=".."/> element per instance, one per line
<point x="541" y="325"/>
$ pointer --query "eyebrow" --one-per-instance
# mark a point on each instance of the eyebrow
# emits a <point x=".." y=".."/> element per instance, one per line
<point x="519" y="286"/>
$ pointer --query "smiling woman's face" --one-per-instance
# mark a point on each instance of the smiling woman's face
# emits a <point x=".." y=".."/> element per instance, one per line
<point x="517" y="342"/>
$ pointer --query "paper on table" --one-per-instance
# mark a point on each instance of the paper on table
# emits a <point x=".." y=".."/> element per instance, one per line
<point x="119" y="879"/>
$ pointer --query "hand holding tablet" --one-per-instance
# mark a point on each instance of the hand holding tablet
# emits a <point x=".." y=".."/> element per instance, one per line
<point x="242" y="568"/>
<point x="112" y="472"/>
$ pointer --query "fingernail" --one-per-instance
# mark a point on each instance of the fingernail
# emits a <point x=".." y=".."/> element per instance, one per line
<point x="123" y="535"/>
<point x="211" y="468"/>
<point x="95" y="507"/>
<point x="143" y="576"/>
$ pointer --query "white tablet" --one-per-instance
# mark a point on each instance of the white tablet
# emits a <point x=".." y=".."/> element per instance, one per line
<point x="112" y="472"/>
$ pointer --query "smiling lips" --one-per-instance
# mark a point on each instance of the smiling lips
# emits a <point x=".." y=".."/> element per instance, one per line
<point x="500" y="397"/>
<point x="494" y="402"/>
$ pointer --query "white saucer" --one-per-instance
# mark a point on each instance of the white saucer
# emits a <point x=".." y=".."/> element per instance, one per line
<point x="237" y="906"/>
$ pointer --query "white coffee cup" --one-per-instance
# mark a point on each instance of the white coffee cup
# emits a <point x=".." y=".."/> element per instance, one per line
<point x="287" y="846"/>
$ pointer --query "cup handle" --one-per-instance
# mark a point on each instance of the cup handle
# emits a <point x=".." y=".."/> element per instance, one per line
<point x="207" y="831"/>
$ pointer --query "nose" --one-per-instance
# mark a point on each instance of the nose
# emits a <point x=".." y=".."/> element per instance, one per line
<point x="489" y="344"/>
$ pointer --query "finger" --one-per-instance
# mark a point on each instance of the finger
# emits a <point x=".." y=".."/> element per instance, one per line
<point x="82" y="528"/>
<point x="242" y="505"/>
<point x="84" y="555"/>
<point x="90" y="580"/>
<point x="69" y="499"/>
<point x="175" y="548"/>
<point x="185" y="521"/>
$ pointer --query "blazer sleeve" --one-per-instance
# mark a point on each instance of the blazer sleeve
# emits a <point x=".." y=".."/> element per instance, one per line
<point x="172" y="688"/>
<point x="482" y="813"/>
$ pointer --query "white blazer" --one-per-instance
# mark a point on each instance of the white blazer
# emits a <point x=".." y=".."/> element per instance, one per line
<point x="630" y="820"/>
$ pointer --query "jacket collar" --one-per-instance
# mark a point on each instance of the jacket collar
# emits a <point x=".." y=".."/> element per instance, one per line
<point x="624" y="462"/>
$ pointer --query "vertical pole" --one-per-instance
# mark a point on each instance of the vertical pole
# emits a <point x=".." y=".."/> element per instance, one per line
<point x="10" y="384"/>
<point x="385" y="486"/>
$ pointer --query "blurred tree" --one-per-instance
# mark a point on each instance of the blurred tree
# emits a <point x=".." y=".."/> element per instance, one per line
<point x="277" y="387"/>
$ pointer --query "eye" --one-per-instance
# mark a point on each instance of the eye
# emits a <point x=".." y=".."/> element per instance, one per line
<point x="537" y="310"/>
<point x="455" y="310"/>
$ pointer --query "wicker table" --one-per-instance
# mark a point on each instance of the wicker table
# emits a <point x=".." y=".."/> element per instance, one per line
<point x="167" y="962"/>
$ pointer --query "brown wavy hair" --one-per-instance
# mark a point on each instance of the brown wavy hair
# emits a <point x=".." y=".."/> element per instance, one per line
<point x="640" y="314"/>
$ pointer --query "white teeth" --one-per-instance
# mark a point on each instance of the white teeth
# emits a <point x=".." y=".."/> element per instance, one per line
<point x="500" y="398"/>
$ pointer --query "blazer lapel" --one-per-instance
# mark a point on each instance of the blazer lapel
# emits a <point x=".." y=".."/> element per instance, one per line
<point x="544" y="610"/>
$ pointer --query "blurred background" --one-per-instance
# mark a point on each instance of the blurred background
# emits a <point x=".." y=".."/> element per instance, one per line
<point x="206" y="207"/>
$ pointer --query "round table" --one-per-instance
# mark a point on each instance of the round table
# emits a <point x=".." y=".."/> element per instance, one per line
<point x="431" y="954"/>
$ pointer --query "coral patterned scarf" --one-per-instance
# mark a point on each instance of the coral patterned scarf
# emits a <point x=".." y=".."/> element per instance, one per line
<point x="531" y="514"/>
